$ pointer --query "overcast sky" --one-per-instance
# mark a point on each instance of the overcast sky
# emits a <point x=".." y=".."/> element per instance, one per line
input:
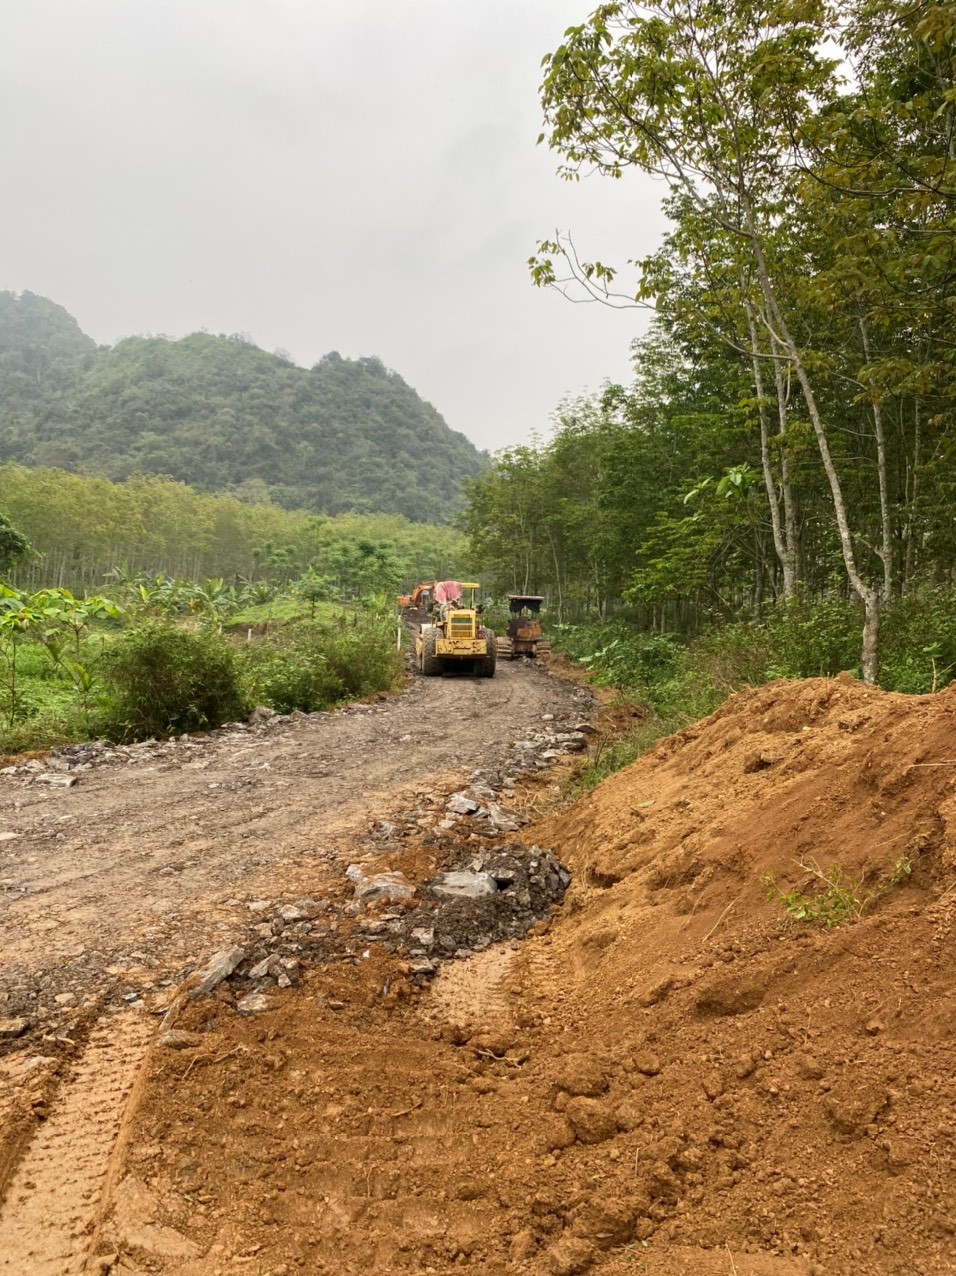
<point x="351" y="175"/>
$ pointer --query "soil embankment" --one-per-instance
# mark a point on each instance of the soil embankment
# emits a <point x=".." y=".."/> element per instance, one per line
<point x="670" y="1078"/>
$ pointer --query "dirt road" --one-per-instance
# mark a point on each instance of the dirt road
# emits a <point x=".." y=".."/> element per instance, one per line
<point x="149" y="859"/>
<point x="670" y="1075"/>
<point x="122" y="869"/>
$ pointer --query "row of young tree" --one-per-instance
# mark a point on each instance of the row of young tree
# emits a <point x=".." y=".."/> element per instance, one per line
<point x="84" y="530"/>
<point x="790" y="430"/>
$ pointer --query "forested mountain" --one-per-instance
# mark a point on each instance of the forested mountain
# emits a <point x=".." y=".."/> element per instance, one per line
<point x="221" y="414"/>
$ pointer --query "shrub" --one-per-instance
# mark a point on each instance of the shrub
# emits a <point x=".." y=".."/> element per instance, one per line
<point x="162" y="678"/>
<point x="312" y="667"/>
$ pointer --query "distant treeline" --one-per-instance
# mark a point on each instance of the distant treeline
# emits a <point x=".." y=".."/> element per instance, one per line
<point x="84" y="528"/>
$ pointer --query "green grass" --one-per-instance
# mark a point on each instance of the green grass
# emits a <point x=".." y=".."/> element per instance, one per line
<point x="282" y="611"/>
<point x="614" y="755"/>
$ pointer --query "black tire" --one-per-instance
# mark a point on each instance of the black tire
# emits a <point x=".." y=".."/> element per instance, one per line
<point x="431" y="664"/>
<point x="486" y="667"/>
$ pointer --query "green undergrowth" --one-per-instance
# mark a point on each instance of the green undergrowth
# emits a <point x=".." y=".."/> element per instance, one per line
<point x="283" y="611"/>
<point x="614" y="754"/>
<point x="831" y="897"/>
<point x="157" y="677"/>
<point x="677" y="680"/>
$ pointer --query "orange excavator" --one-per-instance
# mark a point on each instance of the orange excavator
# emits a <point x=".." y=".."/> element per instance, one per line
<point x="420" y="598"/>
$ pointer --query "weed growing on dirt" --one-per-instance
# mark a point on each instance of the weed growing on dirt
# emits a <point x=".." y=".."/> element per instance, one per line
<point x="611" y="755"/>
<point x="839" y="898"/>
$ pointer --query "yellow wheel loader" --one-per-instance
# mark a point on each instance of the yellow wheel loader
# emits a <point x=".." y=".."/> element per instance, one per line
<point x="454" y="637"/>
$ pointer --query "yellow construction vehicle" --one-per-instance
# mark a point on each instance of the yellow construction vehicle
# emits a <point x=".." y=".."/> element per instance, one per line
<point x="454" y="638"/>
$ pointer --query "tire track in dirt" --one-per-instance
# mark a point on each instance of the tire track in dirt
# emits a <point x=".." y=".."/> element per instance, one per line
<point x="472" y="991"/>
<point x="49" y="1210"/>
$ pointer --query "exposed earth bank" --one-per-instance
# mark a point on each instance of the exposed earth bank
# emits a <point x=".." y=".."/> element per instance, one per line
<point x="674" y="1075"/>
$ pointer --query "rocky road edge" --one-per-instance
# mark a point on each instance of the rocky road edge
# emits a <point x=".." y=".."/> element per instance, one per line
<point x="436" y="883"/>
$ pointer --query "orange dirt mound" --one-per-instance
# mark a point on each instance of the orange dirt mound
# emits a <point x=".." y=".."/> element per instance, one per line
<point x="800" y="1098"/>
<point x="673" y="1080"/>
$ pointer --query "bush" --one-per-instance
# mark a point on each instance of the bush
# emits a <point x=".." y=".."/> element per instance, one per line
<point x="162" y="679"/>
<point x="311" y="667"/>
<point x="919" y="642"/>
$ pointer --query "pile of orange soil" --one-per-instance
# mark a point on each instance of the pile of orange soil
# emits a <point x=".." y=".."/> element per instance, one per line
<point x="674" y="1080"/>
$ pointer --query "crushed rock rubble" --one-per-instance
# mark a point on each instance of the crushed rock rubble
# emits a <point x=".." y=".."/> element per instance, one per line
<point x="452" y="916"/>
<point x="64" y="765"/>
<point x="485" y="896"/>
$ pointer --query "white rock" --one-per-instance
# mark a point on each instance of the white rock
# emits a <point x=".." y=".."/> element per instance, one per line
<point x="465" y="885"/>
<point x="253" y="1003"/>
<point x="220" y="967"/>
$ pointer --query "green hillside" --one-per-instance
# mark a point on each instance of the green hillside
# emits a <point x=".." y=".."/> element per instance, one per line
<point x="221" y="414"/>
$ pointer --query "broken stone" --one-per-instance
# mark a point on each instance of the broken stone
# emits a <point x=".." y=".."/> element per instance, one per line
<point x="56" y="780"/>
<point x="10" y="1029"/>
<point x="501" y="819"/>
<point x="179" y="1039"/>
<point x="220" y="967"/>
<point x="461" y="804"/>
<point x="261" y="713"/>
<point x="465" y="885"/>
<point x="390" y="886"/>
<point x="254" y="1003"/>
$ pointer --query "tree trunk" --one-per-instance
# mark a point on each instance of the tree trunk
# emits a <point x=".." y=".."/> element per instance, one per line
<point x="779" y="539"/>
<point x="791" y="534"/>
<point x="864" y="592"/>
<point x="886" y="518"/>
<point x="870" y="654"/>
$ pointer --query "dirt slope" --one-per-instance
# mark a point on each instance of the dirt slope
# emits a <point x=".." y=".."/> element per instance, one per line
<point x="670" y="1080"/>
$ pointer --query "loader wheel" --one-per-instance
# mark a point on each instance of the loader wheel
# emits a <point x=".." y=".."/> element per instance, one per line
<point x="431" y="664"/>
<point x="486" y="667"/>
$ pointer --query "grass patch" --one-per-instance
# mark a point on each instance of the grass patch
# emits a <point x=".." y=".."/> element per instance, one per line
<point x="282" y="611"/>
<point x="615" y="753"/>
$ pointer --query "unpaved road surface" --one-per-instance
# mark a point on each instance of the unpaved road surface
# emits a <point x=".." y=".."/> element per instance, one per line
<point x="660" y="1074"/>
<point x="121" y="870"/>
<point x="148" y="861"/>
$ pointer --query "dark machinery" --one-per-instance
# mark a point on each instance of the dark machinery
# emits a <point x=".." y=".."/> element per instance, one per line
<point x="524" y="637"/>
